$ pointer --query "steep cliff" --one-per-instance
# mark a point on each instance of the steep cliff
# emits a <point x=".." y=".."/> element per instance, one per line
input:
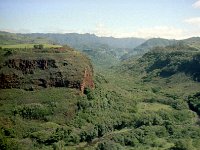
<point x="33" y="69"/>
<point x="87" y="80"/>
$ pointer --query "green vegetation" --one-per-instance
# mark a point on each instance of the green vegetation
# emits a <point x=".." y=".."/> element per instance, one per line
<point x="149" y="102"/>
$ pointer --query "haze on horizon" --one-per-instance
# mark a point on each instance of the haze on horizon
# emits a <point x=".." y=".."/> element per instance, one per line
<point x="145" y="19"/>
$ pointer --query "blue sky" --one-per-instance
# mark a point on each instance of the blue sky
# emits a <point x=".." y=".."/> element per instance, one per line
<point x="119" y="18"/>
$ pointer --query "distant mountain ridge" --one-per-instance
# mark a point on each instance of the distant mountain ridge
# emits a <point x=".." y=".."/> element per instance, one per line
<point x="74" y="39"/>
<point x="77" y="40"/>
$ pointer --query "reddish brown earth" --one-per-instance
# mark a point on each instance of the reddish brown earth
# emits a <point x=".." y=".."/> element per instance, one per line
<point x="87" y="80"/>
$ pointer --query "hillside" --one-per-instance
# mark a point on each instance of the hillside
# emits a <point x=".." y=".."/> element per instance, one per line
<point x="193" y="42"/>
<point x="147" y="46"/>
<point x="171" y="60"/>
<point x="34" y="68"/>
<point x="167" y="61"/>
<point x="172" y="70"/>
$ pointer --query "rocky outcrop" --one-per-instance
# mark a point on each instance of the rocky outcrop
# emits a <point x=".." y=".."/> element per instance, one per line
<point x="87" y="80"/>
<point x="9" y="81"/>
<point x="27" y="66"/>
<point x="67" y="69"/>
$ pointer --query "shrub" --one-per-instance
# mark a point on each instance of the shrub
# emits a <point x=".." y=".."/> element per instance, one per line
<point x="88" y="133"/>
<point x="8" y="52"/>
<point x="109" y="145"/>
<point x="32" y="111"/>
<point x="89" y="93"/>
<point x="148" y="120"/>
<point x="40" y="46"/>
<point x="194" y="102"/>
<point x="51" y="133"/>
<point x="59" y="145"/>
<point x="183" y="145"/>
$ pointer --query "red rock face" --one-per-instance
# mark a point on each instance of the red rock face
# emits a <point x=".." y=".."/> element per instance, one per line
<point x="9" y="81"/>
<point x="26" y="65"/>
<point x="87" y="80"/>
<point x="22" y="73"/>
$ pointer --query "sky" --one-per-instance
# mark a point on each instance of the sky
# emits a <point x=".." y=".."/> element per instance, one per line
<point x="172" y="19"/>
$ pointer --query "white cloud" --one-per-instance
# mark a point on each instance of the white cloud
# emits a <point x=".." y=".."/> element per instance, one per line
<point x="15" y="30"/>
<point x="157" y="31"/>
<point x="102" y="30"/>
<point x="193" y="21"/>
<point x="168" y="32"/>
<point x="196" y="4"/>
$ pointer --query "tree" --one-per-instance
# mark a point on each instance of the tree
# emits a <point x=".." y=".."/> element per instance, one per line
<point x="183" y="145"/>
<point x="40" y="46"/>
<point x="109" y="145"/>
